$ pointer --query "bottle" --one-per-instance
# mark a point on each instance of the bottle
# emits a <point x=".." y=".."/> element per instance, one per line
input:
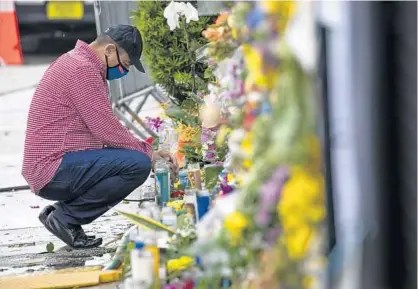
<point x="131" y="283"/>
<point x="169" y="217"/>
<point x="142" y="265"/>
<point x="190" y="202"/>
<point x="184" y="181"/>
<point x="203" y="202"/>
<point x="195" y="176"/>
<point x="150" y="242"/>
<point x="155" y="212"/>
<point x="162" y="177"/>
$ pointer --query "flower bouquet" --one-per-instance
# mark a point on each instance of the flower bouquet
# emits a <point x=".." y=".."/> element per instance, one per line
<point x="274" y="148"/>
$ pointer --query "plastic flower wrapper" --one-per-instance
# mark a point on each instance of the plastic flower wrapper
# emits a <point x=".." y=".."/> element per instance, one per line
<point x="234" y="142"/>
<point x="185" y="234"/>
<point x="210" y="230"/>
<point x="212" y="222"/>
<point x="210" y="112"/>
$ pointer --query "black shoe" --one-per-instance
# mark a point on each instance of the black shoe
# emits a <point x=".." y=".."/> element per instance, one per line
<point x="49" y="209"/>
<point x="72" y="236"/>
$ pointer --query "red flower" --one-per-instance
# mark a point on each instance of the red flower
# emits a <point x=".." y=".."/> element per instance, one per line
<point x="149" y="140"/>
<point x="248" y="121"/>
<point x="177" y="194"/>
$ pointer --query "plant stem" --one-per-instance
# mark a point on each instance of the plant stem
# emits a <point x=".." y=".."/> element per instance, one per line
<point x="190" y="55"/>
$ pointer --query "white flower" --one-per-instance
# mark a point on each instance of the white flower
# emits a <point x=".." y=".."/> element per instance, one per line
<point x="176" y="9"/>
<point x="191" y="13"/>
<point x="254" y="96"/>
<point x="300" y="36"/>
<point x="234" y="142"/>
<point x="172" y="16"/>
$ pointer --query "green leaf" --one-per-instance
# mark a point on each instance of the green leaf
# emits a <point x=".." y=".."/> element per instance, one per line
<point x="50" y="247"/>
<point x="166" y="52"/>
<point x="145" y="222"/>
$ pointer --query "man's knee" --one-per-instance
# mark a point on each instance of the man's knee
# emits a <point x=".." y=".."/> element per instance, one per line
<point x="141" y="166"/>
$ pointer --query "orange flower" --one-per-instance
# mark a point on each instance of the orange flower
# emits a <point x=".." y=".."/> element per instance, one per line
<point x="222" y="18"/>
<point x="213" y="34"/>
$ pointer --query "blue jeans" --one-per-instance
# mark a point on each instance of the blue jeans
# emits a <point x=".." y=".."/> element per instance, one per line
<point x="89" y="183"/>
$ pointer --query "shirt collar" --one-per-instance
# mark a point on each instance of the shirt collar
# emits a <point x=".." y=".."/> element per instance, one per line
<point x="83" y="48"/>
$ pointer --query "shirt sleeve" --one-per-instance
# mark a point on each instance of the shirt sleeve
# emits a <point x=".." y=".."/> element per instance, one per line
<point x="90" y="98"/>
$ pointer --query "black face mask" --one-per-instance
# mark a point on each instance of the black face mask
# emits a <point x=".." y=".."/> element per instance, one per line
<point x="117" y="71"/>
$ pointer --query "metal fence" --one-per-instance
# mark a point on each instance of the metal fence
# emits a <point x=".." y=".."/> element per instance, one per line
<point x="135" y="84"/>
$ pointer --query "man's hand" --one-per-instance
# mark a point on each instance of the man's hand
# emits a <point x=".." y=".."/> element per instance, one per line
<point x="162" y="155"/>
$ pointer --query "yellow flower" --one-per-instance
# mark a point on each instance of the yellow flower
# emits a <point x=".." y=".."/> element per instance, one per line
<point x="180" y="264"/>
<point x="172" y="265"/>
<point x="186" y="132"/>
<point x="284" y="11"/>
<point x="302" y="193"/>
<point x="298" y="242"/>
<point x="234" y="33"/>
<point x="164" y="105"/>
<point x="308" y="282"/>
<point x="177" y="204"/>
<point x="235" y="223"/>
<point x="247" y="164"/>
<point x="177" y="185"/>
<point x="285" y="8"/>
<point x="258" y="72"/>
<point x="300" y="208"/>
<point x="247" y="143"/>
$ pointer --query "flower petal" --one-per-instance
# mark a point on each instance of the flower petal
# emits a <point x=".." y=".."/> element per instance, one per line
<point x="172" y="16"/>
<point x="191" y="13"/>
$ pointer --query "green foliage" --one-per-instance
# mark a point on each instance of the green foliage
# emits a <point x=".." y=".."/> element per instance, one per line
<point x="170" y="55"/>
<point x="186" y="113"/>
<point x="145" y="222"/>
<point x="193" y="152"/>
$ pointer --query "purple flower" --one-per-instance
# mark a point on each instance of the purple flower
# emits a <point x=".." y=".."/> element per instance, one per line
<point x="210" y="156"/>
<point x="272" y="235"/>
<point x="226" y="188"/>
<point x="270" y="195"/>
<point x="207" y="135"/>
<point x="211" y="147"/>
<point x="156" y="124"/>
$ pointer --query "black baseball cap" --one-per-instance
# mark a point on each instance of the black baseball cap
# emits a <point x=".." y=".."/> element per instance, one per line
<point x="129" y="38"/>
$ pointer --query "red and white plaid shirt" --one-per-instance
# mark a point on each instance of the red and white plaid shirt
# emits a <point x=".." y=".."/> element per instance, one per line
<point x="71" y="111"/>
